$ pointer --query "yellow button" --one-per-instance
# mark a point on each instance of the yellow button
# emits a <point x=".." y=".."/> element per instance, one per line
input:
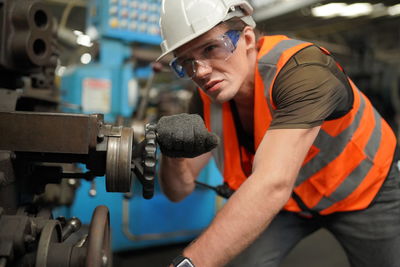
<point x="114" y="23"/>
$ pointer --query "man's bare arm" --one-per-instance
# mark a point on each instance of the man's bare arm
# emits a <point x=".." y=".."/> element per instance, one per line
<point x="178" y="175"/>
<point x="250" y="210"/>
<point x="185" y="144"/>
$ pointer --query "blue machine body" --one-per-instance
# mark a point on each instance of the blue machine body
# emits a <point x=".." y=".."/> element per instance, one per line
<point x="109" y="86"/>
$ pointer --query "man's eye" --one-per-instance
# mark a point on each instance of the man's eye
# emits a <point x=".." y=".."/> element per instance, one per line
<point x="210" y="48"/>
<point x="181" y="61"/>
<point x="186" y="62"/>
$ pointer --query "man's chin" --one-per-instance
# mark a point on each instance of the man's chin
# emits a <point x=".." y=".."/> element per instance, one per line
<point x="219" y="98"/>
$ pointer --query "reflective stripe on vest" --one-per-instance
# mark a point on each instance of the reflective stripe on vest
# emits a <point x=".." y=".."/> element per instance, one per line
<point x="355" y="178"/>
<point x="268" y="63"/>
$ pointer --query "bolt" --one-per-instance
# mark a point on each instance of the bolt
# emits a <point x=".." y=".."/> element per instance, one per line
<point x="29" y="239"/>
<point x="72" y="182"/>
<point x="92" y="192"/>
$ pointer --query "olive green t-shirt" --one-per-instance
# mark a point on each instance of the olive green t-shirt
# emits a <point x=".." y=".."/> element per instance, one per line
<point x="309" y="89"/>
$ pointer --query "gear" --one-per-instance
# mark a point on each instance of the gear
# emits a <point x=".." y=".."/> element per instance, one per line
<point x="144" y="159"/>
<point x="149" y="160"/>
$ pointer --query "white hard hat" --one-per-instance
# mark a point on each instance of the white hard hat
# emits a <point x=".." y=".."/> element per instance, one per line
<point x="183" y="20"/>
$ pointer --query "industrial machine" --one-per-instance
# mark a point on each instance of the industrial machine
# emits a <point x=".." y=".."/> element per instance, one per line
<point x="50" y="159"/>
<point x="39" y="146"/>
<point x="122" y="82"/>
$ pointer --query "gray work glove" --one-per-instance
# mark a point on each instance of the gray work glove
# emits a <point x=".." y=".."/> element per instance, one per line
<point x="184" y="136"/>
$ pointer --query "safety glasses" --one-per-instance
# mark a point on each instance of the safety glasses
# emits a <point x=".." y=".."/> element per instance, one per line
<point x="220" y="48"/>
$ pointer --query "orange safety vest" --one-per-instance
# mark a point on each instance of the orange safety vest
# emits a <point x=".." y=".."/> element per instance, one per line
<point x="347" y="163"/>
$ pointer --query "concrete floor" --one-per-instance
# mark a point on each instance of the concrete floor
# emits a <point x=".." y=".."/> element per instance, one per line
<point x="318" y="250"/>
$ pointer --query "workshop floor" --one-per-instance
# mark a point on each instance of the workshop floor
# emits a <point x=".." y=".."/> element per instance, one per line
<point x="327" y="253"/>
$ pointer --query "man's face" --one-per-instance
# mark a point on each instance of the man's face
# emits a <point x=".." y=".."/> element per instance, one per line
<point x="219" y="74"/>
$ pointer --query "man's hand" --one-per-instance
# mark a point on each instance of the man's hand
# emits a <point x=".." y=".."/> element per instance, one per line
<point x="184" y="136"/>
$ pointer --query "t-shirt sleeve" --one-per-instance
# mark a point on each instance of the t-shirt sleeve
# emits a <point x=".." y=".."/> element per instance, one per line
<point x="308" y="90"/>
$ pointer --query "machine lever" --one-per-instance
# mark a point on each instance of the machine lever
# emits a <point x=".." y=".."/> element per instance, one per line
<point x="93" y="190"/>
<point x="72" y="226"/>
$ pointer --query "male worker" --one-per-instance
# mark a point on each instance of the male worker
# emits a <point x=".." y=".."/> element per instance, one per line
<point x="300" y="145"/>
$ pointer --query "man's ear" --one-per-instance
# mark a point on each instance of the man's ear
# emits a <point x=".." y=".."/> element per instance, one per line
<point x="249" y="37"/>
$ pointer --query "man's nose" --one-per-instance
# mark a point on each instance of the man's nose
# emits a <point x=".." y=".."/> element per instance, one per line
<point x="202" y="68"/>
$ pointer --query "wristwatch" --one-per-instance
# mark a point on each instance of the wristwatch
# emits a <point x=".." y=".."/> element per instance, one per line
<point x="182" y="261"/>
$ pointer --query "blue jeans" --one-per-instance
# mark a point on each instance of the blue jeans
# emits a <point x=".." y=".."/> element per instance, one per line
<point x="369" y="237"/>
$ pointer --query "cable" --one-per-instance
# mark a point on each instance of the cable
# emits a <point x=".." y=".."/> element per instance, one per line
<point x="222" y="190"/>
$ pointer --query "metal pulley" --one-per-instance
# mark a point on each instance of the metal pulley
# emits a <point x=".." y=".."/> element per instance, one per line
<point x="125" y="159"/>
<point x="119" y="156"/>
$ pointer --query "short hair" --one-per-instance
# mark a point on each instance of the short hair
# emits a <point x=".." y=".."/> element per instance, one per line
<point x="235" y="24"/>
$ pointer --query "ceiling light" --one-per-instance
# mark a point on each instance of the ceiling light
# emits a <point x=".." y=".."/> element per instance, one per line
<point x="394" y="10"/>
<point x="328" y="10"/>
<point x="342" y="9"/>
<point x="357" y="9"/>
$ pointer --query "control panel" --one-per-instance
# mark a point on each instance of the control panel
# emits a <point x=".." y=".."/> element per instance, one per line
<point x="129" y="20"/>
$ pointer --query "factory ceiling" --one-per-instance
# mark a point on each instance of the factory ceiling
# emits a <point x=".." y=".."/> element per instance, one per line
<point x="377" y="29"/>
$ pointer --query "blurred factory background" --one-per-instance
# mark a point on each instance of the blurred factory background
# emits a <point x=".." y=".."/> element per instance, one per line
<point x="85" y="57"/>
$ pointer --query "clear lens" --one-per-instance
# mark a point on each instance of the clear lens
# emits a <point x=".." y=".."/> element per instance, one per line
<point x="218" y="49"/>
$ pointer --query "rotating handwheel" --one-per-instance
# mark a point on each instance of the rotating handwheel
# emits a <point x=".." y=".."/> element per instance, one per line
<point x="99" y="252"/>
